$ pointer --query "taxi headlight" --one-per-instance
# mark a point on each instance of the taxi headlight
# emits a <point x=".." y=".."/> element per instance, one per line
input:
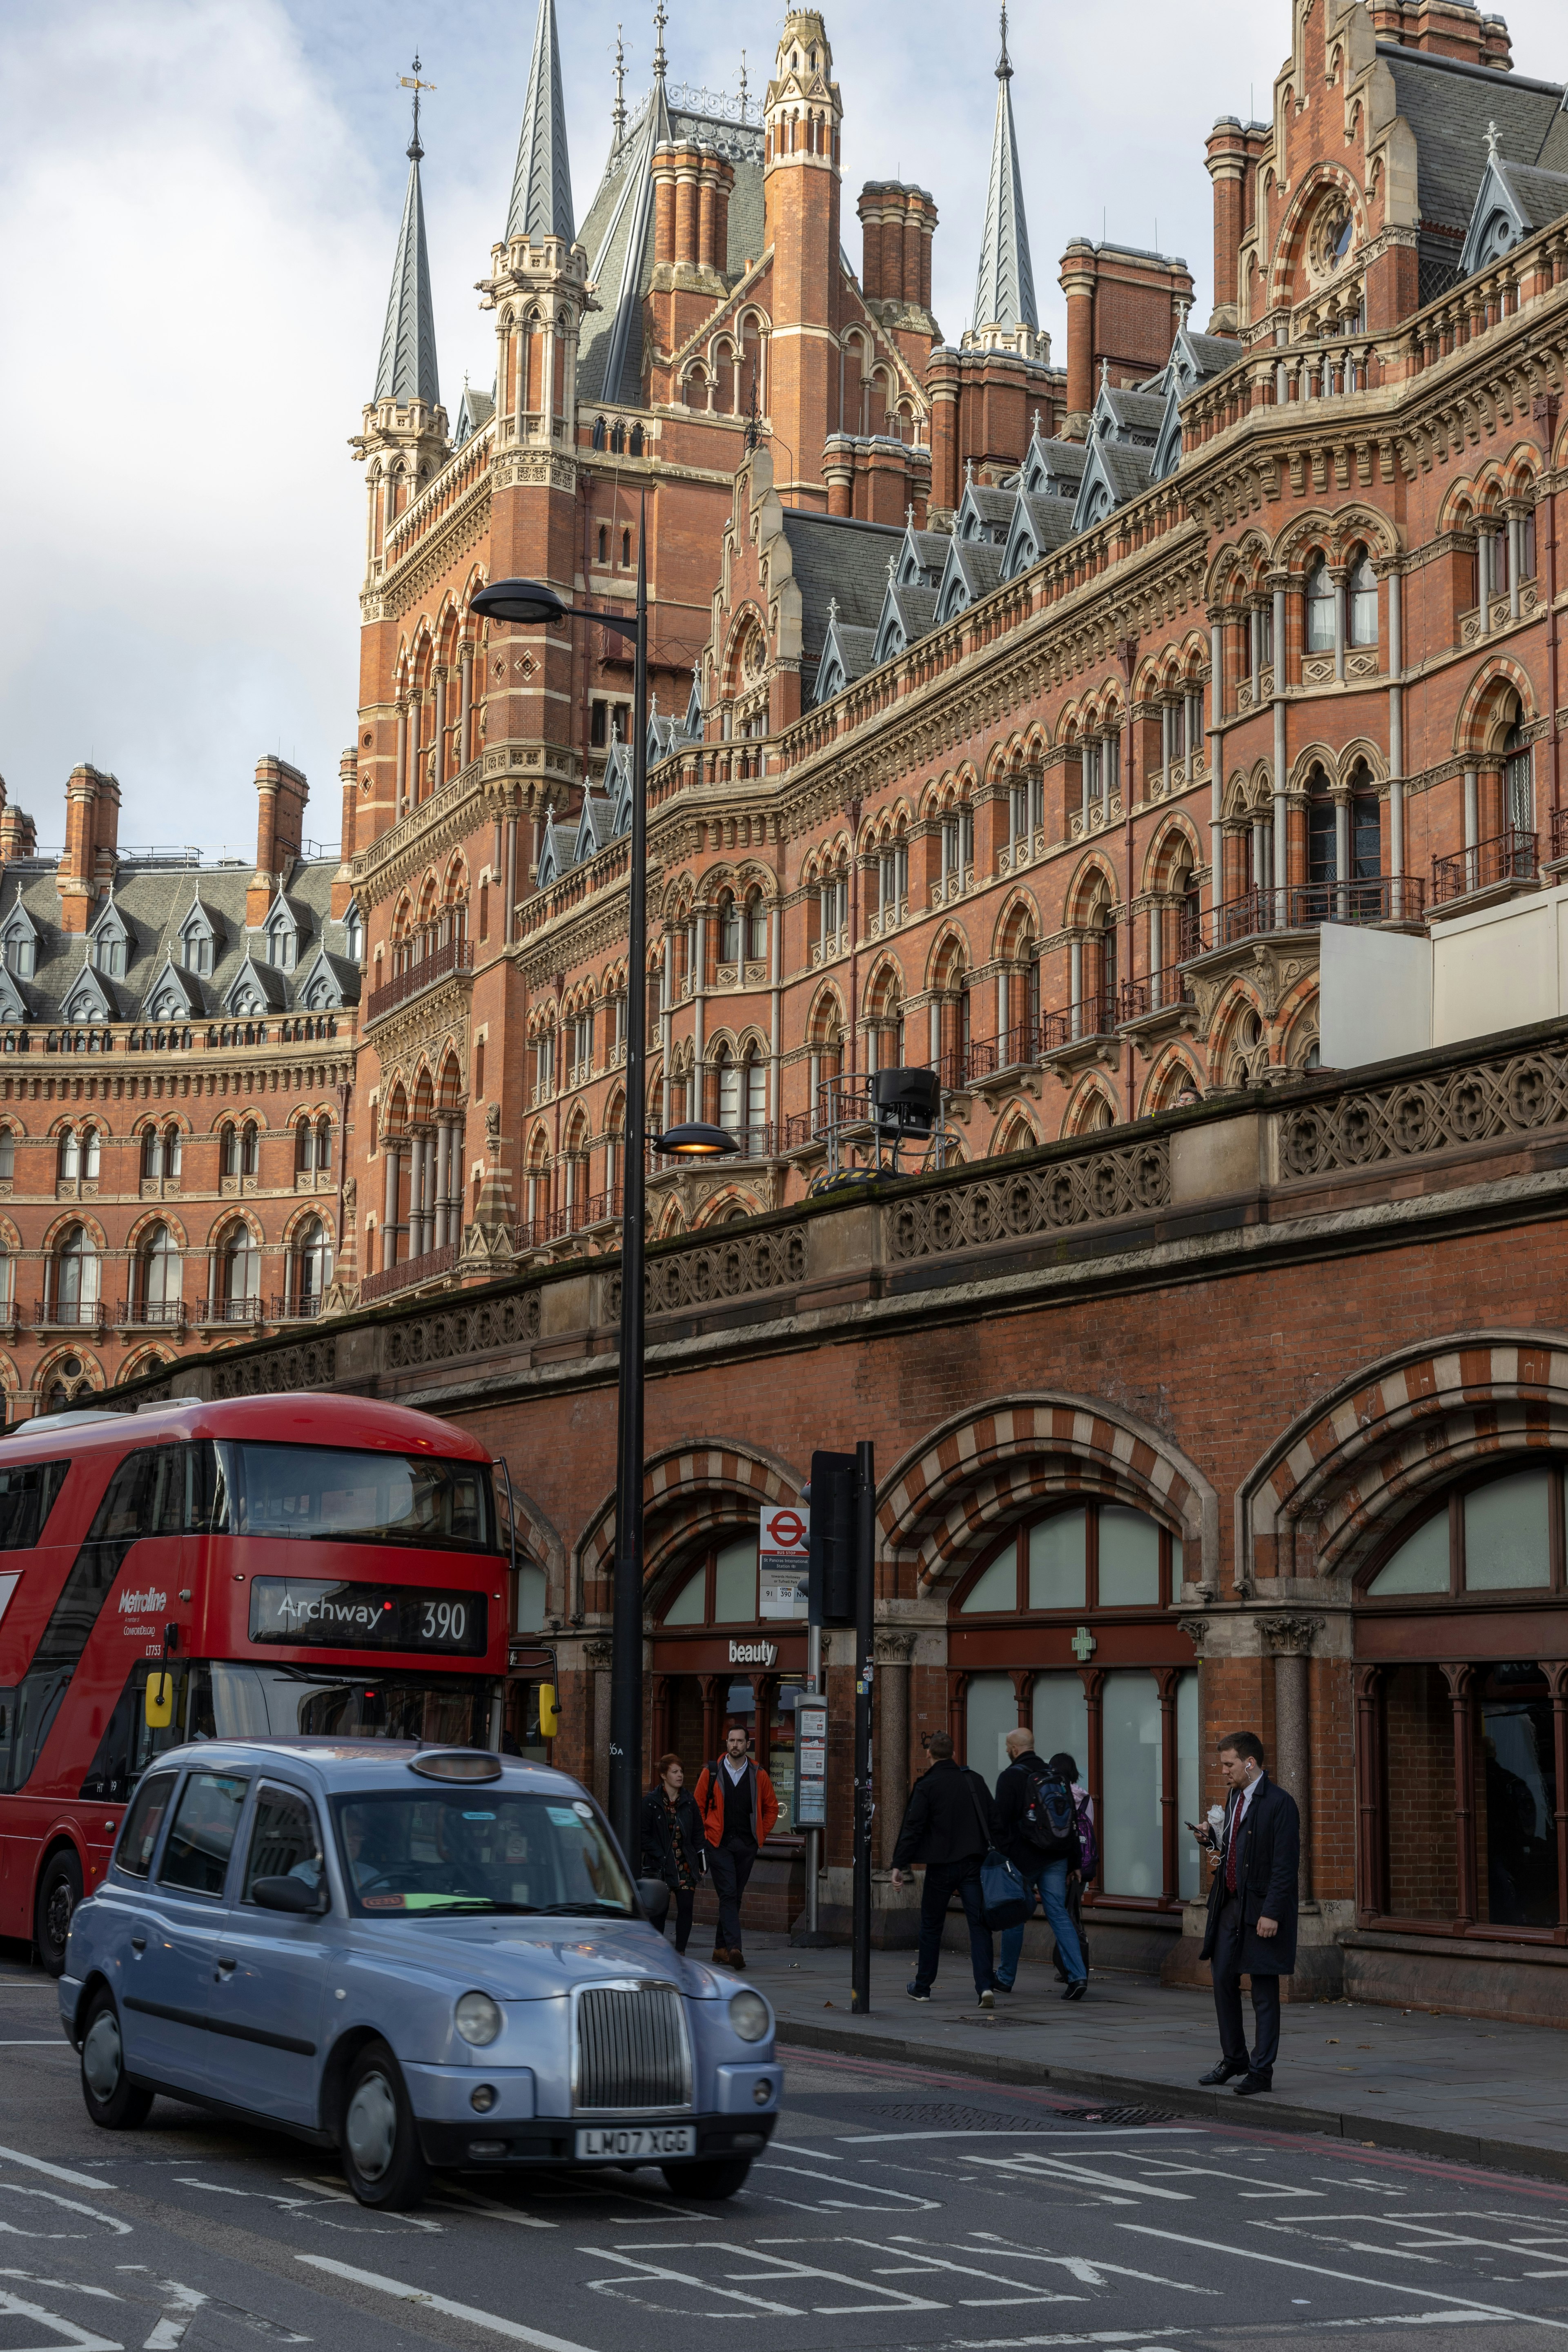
<point x="478" y="2017"/>
<point x="749" y="2016"/>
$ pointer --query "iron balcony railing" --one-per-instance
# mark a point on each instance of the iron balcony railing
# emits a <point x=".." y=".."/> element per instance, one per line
<point x="71" y="1314"/>
<point x="161" y="1314"/>
<point x="458" y="955"/>
<point x="428" y="1266"/>
<point x="1302" y="907"/>
<point x="1505" y="858"/>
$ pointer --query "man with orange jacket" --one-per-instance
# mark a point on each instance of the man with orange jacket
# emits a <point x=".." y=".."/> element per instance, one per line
<point x="736" y="1800"/>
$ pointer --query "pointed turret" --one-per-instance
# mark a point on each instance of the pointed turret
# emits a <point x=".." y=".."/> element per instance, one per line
<point x="542" y="184"/>
<point x="1005" y="312"/>
<point x="407" y="368"/>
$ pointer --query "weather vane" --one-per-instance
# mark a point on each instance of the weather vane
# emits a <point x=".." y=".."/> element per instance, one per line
<point x="412" y="81"/>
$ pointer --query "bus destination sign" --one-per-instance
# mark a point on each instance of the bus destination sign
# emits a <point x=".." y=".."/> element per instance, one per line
<point x="313" y="1613"/>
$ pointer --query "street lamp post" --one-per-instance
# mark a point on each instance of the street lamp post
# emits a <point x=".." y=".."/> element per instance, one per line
<point x="531" y="603"/>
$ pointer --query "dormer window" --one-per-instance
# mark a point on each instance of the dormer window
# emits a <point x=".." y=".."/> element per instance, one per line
<point x="281" y="944"/>
<point x="20" y="948"/>
<point x="108" y="955"/>
<point x="197" y="946"/>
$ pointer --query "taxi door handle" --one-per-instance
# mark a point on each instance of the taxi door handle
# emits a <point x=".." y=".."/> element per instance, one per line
<point x="138" y="1942"/>
<point x="223" y="1968"/>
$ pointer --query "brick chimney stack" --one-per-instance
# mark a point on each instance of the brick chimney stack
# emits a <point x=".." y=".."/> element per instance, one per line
<point x="92" y="830"/>
<point x="342" y="881"/>
<point x="281" y="793"/>
<point x="1231" y="154"/>
<point x="1124" y="306"/>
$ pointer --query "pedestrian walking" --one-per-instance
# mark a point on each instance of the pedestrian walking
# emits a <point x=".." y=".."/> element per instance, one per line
<point x="1255" y="1856"/>
<point x="736" y="1800"/>
<point x="947" y="1826"/>
<point x="1088" y="1851"/>
<point x="673" y="1844"/>
<point x="1037" y="1828"/>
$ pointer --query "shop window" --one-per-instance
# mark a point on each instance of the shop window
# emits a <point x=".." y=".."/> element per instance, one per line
<point x="724" y="1589"/>
<point x="530" y="1598"/>
<point x="1090" y="1556"/>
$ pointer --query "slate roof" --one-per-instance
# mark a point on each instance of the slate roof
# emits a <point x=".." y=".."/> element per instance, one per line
<point x="1448" y="105"/>
<point x="910" y="611"/>
<point x="1131" y="415"/>
<point x="834" y="556"/>
<point x="153" y="902"/>
<point x="617" y="233"/>
<point x="407" y="366"/>
<point x="983" y="510"/>
<point x="541" y="181"/>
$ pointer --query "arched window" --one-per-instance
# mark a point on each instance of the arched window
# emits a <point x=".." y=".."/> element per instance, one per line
<point x="68" y="1382"/>
<point x="20" y="945"/>
<point x="1464" y="1795"/>
<point x="1518" y="780"/>
<point x="599" y="440"/>
<point x="240" y="1274"/>
<point x="756" y="926"/>
<point x="249" y="1148"/>
<point x="721" y="1589"/>
<point x="753" y="1093"/>
<point x="1320" y="609"/>
<point x="1082" y="1578"/>
<point x="1322" y="861"/>
<point x="312" y="1267"/>
<point x="159" y="1274"/>
<point x="604" y="542"/>
<point x="625" y="548"/>
<point x="730" y="937"/>
<point x="304" y="1147"/>
<point x="76" y="1265"/>
<point x="8" y="1155"/>
<point x="230" y="1149"/>
<point x="354" y="935"/>
<point x="1365" y="827"/>
<point x="69" y="1161"/>
<point x="1361" y="597"/>
<point x="323" y="1142"/>
<point x="152" y="1155"/>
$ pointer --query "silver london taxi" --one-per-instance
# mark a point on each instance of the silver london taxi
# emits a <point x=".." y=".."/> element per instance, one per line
<point x="421" y="1958"/>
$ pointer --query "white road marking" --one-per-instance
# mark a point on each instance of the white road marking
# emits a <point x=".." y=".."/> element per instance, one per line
<point x="456" y="2196"/>
<point x="54" y="2042"/>
<point x="1099" y="2335"/>
<point x="1025" y="2131"/>
<point x="1079" y="2267"/>
<point x="169" y="2334"/>
<point x="1460" y="2303"/>
<point x="647" y="2270"/>
<point x="68" y="2335"/>
<point x="67" y="2286"/>
<point x="513" y="2329"/>
<point x="189" y="2300"/>
<point x="71" y="2205"/>
<point x="916" y="2255"/>
<point x="896" y="2298"/>
<point x="336" y="2194"/>
<point x="1033" y="2164"/>
<point x="56" y="2171"/>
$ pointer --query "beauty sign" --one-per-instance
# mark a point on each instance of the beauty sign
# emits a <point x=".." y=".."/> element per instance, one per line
<point x="782" y="1561"/>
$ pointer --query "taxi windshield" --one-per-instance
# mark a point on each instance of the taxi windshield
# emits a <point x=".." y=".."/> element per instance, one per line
<point x="423" y="1851"/>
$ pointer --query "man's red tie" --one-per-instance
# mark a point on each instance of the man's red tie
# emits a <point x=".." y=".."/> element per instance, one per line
<point x="1231" y="1843"/>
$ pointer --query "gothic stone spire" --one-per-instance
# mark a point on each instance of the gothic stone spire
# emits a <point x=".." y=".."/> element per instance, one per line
<point x="407" y="368"/>
<point x="542" y="185"/>
<point x="1005" y="288"/>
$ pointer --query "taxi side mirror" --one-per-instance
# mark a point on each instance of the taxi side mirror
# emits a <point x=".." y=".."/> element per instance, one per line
<point x="288" y="1895"/>
<point x="159" y="1709"/>
<point x="549" y="1711"/>
<point x="652" y="1893"/>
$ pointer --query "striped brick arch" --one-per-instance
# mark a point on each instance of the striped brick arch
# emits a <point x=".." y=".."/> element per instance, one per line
<point x="1320" y="1500"/>
<point x="686" y="1492"/>
<point x="985" y="1467"/>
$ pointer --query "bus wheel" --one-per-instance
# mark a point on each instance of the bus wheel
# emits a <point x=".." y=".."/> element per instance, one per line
<point x="59" y="1892"/>
<point x="380" y="2142"/>
<point x="111" y="2099"/>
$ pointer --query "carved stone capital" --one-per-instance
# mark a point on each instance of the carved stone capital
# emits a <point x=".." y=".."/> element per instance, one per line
<point x="894" y="1649"/>
<point x="1289" y="1636"/>
<point x="598" y="1655"/>
<point x="1196" y="1631"/>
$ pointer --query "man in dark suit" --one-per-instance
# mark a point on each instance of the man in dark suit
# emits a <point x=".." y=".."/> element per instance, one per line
<point x="1251" y="1928"/>
<point x="948" y="1825"/>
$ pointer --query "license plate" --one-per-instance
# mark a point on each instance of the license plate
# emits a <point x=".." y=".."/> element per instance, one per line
<point x="628" y="2140"/>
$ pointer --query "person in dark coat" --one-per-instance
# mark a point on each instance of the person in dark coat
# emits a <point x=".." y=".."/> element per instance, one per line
<point x="672" y="1841"/>
<point x="1045" y="1870"/>
<point x="1251" y="1928"/>
<point x="947" y="1825"/>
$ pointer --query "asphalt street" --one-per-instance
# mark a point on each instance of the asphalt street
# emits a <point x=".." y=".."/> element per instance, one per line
<point x="898" y="2207"/>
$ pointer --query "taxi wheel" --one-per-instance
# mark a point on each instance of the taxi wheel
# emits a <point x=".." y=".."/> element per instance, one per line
<point x="380" y="2141"/>
<point x="59" y="1892"/>
<point x="718" y="2178"/>
<point x="111" y="2099"/>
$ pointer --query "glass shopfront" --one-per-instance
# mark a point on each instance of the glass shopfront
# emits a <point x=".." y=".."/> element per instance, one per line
<point x="1064" y="1626"/>
<point x="717" y="1663"/>
<point x="1462" y="1712"/>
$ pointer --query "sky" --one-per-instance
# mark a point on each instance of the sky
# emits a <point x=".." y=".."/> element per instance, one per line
<point x="200" y="201"/>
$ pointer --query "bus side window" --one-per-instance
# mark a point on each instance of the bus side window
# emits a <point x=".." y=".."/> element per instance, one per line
<point x="27" y="1495"/>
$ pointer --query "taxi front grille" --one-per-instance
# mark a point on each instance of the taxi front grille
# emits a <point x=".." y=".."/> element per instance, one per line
<point x="632" y="2051"/>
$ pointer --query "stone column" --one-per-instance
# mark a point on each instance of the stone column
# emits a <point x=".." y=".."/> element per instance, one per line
<point x="894" y="1652"/>
<point x="389" y="1209"/>
<point x="1290" y="1640"/>
<point x="443" y="1156"/>
<point x="440" y="730"/>
<point x="466" y="721"/>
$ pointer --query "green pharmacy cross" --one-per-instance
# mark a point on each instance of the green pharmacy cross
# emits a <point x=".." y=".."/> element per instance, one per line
<point x="1084" y="1645"/>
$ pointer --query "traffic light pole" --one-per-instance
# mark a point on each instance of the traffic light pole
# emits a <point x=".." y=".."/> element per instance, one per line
<point x="865" y="1599"/>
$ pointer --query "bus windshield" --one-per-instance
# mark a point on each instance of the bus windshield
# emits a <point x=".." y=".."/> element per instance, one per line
<point x="327" y="1494"/>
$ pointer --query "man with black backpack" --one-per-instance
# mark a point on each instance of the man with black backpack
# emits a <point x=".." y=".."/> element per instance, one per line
<point x="1037" y="1828"/>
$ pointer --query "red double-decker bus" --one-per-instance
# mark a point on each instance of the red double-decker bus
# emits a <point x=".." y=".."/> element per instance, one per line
<point x="276" y="1565"/>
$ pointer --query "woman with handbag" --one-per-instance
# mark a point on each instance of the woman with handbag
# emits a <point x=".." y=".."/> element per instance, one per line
<point x="672" y="1841"/>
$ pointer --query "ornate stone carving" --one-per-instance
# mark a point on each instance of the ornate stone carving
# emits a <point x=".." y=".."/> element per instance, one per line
<point x="463" y="1330"/>
<point x="1196" y="1631"/>
<point x="311" y="1365"/>
<point x="893" y="1648"/>
<point x="1516" y="1093"/>
<point x="1065" y="1193"/>
<point x="1290" y="1636"/>
<point x="705" y="1272"/>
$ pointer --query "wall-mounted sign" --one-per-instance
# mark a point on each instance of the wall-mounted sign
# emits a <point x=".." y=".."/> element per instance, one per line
<point x="784" y="1559"/>
<point x="753" y="1653"/>
<point x="810" y="1763"/>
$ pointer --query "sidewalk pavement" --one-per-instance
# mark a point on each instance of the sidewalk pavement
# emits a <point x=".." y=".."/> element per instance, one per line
<point x="1482" y="2091"/>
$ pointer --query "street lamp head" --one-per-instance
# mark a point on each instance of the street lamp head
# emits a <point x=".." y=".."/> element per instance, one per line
<point x="525" y="601"/>
<point x="695" y="1140"/>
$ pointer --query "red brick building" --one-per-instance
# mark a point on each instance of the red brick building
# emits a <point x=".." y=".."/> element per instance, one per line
<point x="1209" y="1384"/>
<point x="176" y="1055"/>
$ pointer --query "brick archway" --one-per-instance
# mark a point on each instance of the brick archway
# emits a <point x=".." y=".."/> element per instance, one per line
<point x="685" y="1491"/>
<point x="985" y="1465"/>
<point x="1320" y="1498"/>
<point x="539" y="1540"/>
